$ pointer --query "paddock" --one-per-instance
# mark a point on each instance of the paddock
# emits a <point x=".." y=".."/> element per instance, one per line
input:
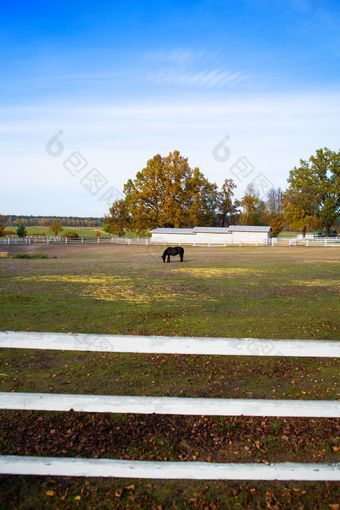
<point x="250" y="351"/>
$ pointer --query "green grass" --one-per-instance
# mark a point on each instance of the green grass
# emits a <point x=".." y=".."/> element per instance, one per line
<point x="290" y="292"/>
<point x="243" y="292"/>
<point x="288" y="234"/>
<point x="28" y="256"/>
<point x="157" y="375"/>
<point x="81" y="231"/>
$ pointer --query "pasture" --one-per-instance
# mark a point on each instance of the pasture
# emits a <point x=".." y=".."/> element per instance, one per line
<point x="232" y="292"/>
<point x="81" y="231"/>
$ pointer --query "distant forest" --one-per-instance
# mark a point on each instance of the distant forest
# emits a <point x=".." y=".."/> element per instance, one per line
<point x="12" y="220"/>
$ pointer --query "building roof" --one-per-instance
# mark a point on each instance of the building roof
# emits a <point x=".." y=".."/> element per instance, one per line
<point x="248" y="228"/>
<point x="212" y="230"/>
<point x="172" y="231"/>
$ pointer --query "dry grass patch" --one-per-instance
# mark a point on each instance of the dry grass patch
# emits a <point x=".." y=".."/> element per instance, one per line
<point x="104" y="287"/>
<point x="318" y="283"/>
<point x="97" y="279"/>
<point x="210" y="272"/>
<point x="323" y="261"/>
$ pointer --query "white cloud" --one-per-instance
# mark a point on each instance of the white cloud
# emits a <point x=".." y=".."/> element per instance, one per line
<point x="208" y="78"/>
<point x="272" y="131"/>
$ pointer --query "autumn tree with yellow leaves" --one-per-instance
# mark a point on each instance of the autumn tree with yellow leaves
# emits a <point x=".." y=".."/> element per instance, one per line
<point x="169" y="193"/>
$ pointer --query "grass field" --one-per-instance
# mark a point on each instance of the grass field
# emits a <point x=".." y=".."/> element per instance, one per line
<point x="286" y="234"/>
<point x="290" y="292"/>
<point x="81" y="231"/>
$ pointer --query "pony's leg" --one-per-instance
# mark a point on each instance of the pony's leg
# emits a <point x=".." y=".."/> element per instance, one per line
<point x="168" y="258"/>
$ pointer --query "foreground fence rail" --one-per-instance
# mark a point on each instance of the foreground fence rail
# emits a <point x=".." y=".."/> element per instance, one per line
<point x="170" y="405"/>
<point x="54" y="466"/>
<point x="169" y="345"/>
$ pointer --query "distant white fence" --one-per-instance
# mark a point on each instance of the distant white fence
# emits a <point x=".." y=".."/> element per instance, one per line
<point x="25" y="465"/>
<point x="114" y="240"/>
<point x="307" y="241"/>
<point x="55" y="240"/>
<point x="296" y="241"/>
<point x="326" y="241"/>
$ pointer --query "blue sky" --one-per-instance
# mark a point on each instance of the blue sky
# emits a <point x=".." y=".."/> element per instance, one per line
<point x="124" y="80"/>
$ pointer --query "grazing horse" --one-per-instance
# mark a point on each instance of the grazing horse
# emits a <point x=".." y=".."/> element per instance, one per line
<point x="178" y="250"/>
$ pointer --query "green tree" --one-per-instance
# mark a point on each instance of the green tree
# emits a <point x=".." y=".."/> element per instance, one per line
<point x="313" y="196"/>
<point x="169" y="193"/>
<point x="274" y="211"/>
<point x="253" y="208"/>
<point x="2" y="227"/>
<point x="300" y="210"/>
<point x="329" y="213"/>
<point x="118" y="219"/>
<point x="227" y="209"/>
<point x="21" y="230"/>
<point x="55" y="227"/>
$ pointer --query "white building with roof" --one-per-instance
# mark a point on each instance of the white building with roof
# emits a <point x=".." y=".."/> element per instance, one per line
<point x="235" y="234"/>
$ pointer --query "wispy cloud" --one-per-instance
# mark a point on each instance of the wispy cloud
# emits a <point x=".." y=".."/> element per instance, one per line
<point x="194" y="78"/>
<point x="175" y="56"/>
<point x="185" y="67"/>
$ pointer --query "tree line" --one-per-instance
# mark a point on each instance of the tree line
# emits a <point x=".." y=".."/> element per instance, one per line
<point x="54" y="225"/>
<point x="12" y="220"/>
<point x="169" y="193"/>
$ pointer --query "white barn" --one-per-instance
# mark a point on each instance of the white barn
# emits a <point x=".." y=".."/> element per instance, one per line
<point x="235" y="234"/>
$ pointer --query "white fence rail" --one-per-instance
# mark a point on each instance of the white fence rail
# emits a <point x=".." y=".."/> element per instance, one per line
<point x="56" y="240"/>
<point x="54" y="466"/>
<point x="116" y="240"/>
<point x="51" y="466"/>
<point x="170" y="345"/>
<point x="295" y="241"/>
<point x="327" y="241"/>
<point x="170" y="405"/>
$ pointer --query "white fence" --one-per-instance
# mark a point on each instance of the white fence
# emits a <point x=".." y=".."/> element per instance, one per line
<point x="169" y="345"/>
<point x="55" y="240"/>
<point x="296" y="241"/>
<point x="81" y="240"/>
<point x="51" y="466"/>
<point x="308" y="241"/>
<point x="327" y="241"/>
<point x="170" y="405"/>
<point x="115" y="240"/>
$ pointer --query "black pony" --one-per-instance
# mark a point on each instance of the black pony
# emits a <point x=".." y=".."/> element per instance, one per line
<point x="173" y="251"/>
